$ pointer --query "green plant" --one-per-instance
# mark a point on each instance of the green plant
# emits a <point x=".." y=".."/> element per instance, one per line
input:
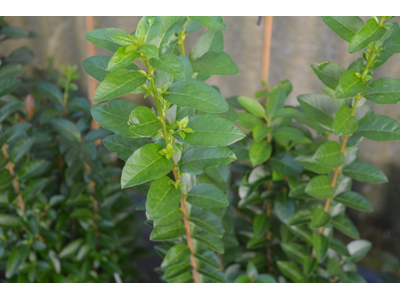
<point x="308" y="177"/>
<point x="186" y="134"/>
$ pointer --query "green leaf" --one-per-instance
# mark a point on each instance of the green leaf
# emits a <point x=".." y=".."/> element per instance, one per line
<point x="321" y="108"/>
<point x="102" y="38"/>
<point x="392" y="45"/>
<point x="114" y="115"/>
<point x="303" y="233"/>
<point x="7" y="85"/>
<point x="210" y="130"/>
<point x="249" y="121"/>
<point x="148" y="28"/>
<point x="210" y="41"/>
<point x="144" y="165"/>
<point x="213" y="23"/>
<point x="196" y="94"/>
<point x="212" y="63"/>
<point x="285" y="165"/>
<point x="260" y="225"/>
<point x="150" y="51"/>
<point x="349" y="85"/>
<point x="162" y="198"/>
<point x="212" y="273"/>
<point x="329" y="155"/>
<point x="67" y="129"/>
<point x="308" y="162"/>
<point x="243" y="279"/>
<point x="276" y="101"/>
<point x="358" y="249"/>
<point x="15" y="131"/>
<point x="9" y="108"/>
<point x="294" y="251"/>
<point x="309" y="265"/>
<point x="251" y="270"/>
<point x="344" y="123"/>
<point x="169" y="219"/>
<point x="260" y="152"/>
<point x="207" y="221"/>
<point x="177" y="270"/>
<point x="211" y="241"/>
<point x="123" y="146"/>
<point x="334" y="268"/>
<point x="176" y="255"/>
<point x="345" y="27"/>
<point x="283" y="135"/>
<point x="209" y="257"/>
<point x="253" y="106"/>
<point x="339" y="247"/>
<point x="320" y="187"/>
<point x="379" y="128"/>
<point x="9" y="221"/>
<point x="206" y="195"/>
<point x="371" y="32"/>
<point x="261" y="131"/>
<point x="197" y="159"/>
<point x="144" y="122"/>
<point x="121" y="59"/>
<point x="50" y="91"/>
<point x="328" y="72"/>
<point x="354" y="200"/>
<point x="344" y="225"/>
<point x="300" y="216"/>
<point x="30" y="169"/>
<point x="20" y="148"/>
<point x="166" y="38"/>
<point x="366" y="172"/>
<point x="119" y="83"/>
<point x="11" y="70"/>
<point x="170" y="64"/>
<point x="16" y="258"/>
<point x="71" y="249"/>
<point x="319" y="218"/>
<point x="321" y="246"/>
<point x="384" y="91"/>
<point x="96" y="66"/>
<point x="168" y="233"/>
<point x="123" y="39"/>
<point x="291" y="271"/>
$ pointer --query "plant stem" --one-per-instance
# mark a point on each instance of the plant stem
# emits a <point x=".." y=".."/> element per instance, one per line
<point x="175" y="171"/>
<point x="65" y="99"/>
<point x="10" y="168"/>
<point x="181" y="39"/>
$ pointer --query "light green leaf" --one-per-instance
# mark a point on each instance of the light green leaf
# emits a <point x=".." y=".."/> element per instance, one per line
<point x="285" y="134"/>
<point x="123" y="39"/>
<point x="168" y="233"/>
<point x="213" y="23"/>
<point x="71" y="249"/>
<point x="144" y="165"/>
<point x="309" y="265"/>
<point x="169" y="219"/>
<point x="392" y="45"/>
<point x="170" y="64"/>
<point x="212" y="63"/>
<point x="276" y="101"/>
<point x="211" y="130"/>
<point x="67" y="129"/>
<point x="16" y="258"/>
<point x="339" y="247"/>
<point x="121" y="59"/>
<point x="162" y="198"/>
<point x="102" y="38"/>
<point x="210" y="41"/>
<point x="294" y="251"/>
<point x="166" y="38"/>
<point x="371" y="32"/>
<point x="349" y="85"/>
<point x="303" y="215"/>
<point x="354" y="200"/>
<point x="148" y="28"/>
<point x="328" y="72"/>
<point x="253" y="106"/>
<point x="320" y="187"/>
<point x="211" y="241"/>
<point x="379" y="128"/>
<point x="308" y="162"/>
<point x="260" y="152"/>
<point x="197" y="159"/>
<point x="119" y="83"/>
<point x="261" y="131"/>
<point x="249" y="121"/>
<point x="196" y="94"/>
<point x="207" y="221"/>
<point x="144" y="122"/>
<point x="329" y="155"/>
<point x="291" y="271"/>
<point x="206" y="195"/>
<point x="345" y="225"/>
<point x="384" y="91"/>
<point x="321" y="246"/>
<point x="319" y="218"/>
<point x="123" y="146"/>
<point x="114" y="115"/>
<point x="9" y="221"/>
<point x="176" y="255"/>
<point x="358" y="249"/>
<point x="344" y="123"/>
<point x="345" y="27"/>
<point x="366" y="172"/>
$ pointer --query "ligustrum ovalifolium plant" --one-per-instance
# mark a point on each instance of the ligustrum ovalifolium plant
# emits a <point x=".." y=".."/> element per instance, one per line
<point x="165" y="148"/>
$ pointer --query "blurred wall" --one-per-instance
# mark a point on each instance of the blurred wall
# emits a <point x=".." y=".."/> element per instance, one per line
<point x="296" y="43"/>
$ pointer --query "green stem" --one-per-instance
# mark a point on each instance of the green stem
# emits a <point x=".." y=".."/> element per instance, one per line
<point x="65" y="99"/>
<point x="181" y="40"/>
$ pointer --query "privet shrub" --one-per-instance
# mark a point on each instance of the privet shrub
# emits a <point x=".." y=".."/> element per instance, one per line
<point x="55" y="225"/>
<point x="305" y="159"/>
<point x="186" y="134"/>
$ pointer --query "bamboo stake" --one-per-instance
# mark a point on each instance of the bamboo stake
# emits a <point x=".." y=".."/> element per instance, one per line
<point x="266" y="49"/>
